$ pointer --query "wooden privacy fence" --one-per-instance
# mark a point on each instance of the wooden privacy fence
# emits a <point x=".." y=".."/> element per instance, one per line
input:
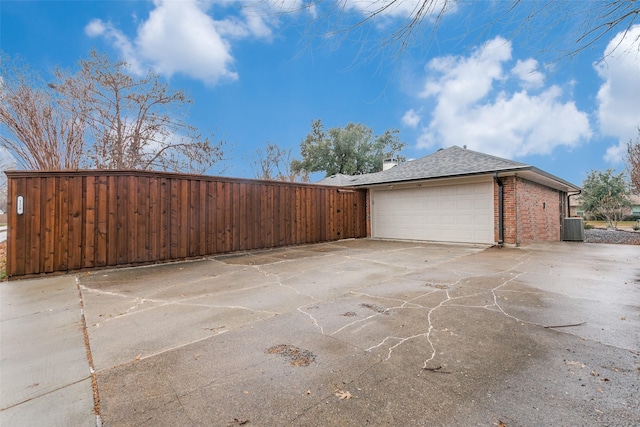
<point x="76" y="220"/>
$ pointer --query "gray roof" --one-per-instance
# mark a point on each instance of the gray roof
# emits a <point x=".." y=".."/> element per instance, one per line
<point x="449" y="162"/>
<point x="338" y="179"/>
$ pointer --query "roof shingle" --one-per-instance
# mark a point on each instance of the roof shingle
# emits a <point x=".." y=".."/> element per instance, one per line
<point x="448" y="162"/>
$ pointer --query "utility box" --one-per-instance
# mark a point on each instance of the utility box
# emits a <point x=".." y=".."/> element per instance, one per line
<point x="573" y="230"/>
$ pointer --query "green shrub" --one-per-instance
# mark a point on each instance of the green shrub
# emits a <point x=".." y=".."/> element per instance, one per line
<point x="588" y="226"/>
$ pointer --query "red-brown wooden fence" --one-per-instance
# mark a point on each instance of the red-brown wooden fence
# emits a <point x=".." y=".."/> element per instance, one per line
<point x="80" y="220"/>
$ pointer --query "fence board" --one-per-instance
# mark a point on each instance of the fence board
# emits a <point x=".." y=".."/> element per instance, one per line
<point x="203" y="223"/>
<point x="220" y="221"/>
<point x="153" y="249"/>
<point x="121" y="213"/>
<point x="142" y="218"/>
<point x="89" y="226"/>
<point x="49" y="216"/>
<point x="62" y="253"/>
<point x="193" y="218"/>
<point x="243" y="219"/>
<point x="33" y="224"/>
<point x="102" y="221"/>
<point x="112" y="226"/>
<point x="80" y="220"/>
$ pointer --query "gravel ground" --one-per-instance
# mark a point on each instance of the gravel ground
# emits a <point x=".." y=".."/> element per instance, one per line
<point x="598" y="235"/>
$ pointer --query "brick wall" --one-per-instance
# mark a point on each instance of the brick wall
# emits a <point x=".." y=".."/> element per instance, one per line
<point x="509" y="210"/>
<point x="532" y="212"/>
<point x="539" y="212"/>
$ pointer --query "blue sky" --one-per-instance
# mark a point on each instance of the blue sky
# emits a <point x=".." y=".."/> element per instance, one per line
<point x="257" y="75"/>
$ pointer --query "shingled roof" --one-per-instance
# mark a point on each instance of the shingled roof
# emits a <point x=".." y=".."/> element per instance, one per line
<point x="444" y="163"/>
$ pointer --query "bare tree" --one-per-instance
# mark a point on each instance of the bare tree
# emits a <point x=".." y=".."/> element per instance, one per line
<point x="99" y="117"/>
<point x="405" y="23"/>
<point x="633" y="162"/>
<point x="37" y="132"/>
<point x="134" y="123"/>
<point x="274" y="163"/>
<point x="6" y="163"/>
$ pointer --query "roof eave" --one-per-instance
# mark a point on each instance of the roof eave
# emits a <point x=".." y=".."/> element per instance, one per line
<point x="538" y="175"/>
<point x="530" y="172"/>
<point x="433" y="178"/>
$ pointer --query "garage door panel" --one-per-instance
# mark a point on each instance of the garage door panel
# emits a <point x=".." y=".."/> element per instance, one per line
<point x="483" y="219"/>
<point x="466" y="220"/>
<point x="465" y="204"/>
<point x="464" y="190"/>
<point x="456" y="213"/>
<point x="482" y="204"/>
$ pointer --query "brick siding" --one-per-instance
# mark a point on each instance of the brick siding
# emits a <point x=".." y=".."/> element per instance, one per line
<point x="532" y="212"/>
<point x="509" y="210"/>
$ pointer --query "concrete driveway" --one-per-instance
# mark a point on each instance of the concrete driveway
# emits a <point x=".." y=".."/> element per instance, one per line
<point x="366" y="332"/>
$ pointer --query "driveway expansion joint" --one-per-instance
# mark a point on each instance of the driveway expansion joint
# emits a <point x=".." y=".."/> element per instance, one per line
<point x="92" y="372"/>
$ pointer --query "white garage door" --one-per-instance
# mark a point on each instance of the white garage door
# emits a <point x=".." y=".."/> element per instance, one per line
<point x="444" y="213"/>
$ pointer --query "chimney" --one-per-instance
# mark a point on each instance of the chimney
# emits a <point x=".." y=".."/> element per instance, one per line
<point x="389" y="163"/>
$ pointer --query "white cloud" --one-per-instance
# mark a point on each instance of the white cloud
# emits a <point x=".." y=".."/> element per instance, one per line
<point x="257" y="26"/>
<point x="411" y="119"/>
<point x="528" y="73"/>
<point x="182" y="37"/>
<point x="467" y="80"/>
<point x="619" y="95"/>
<point x="179" y="37"/>
<point x="474" y="108"/>
<point x="97" y="28"/>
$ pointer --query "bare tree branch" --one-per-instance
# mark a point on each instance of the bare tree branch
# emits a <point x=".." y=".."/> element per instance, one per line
<point x="100" y="117"/>
<point x="400" y="24"/>
<point x="274" y="163"/>
<point x="36" y="130"/>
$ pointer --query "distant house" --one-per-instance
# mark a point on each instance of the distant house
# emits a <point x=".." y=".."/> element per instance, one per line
<point x="459" y="195"/>
<point x="575" y="207"/>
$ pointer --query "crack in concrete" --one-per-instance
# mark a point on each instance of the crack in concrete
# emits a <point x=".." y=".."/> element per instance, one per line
<point x="313" y="319"/>
<point x="392" y="341"/>
<point x="233" y="307"/>
<point x="300" y="308"/>
<point x="444" y="303"/>
<point x="403" y="304"/>
<point x="138" y="301"/>
<point x="395" y="265"/>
